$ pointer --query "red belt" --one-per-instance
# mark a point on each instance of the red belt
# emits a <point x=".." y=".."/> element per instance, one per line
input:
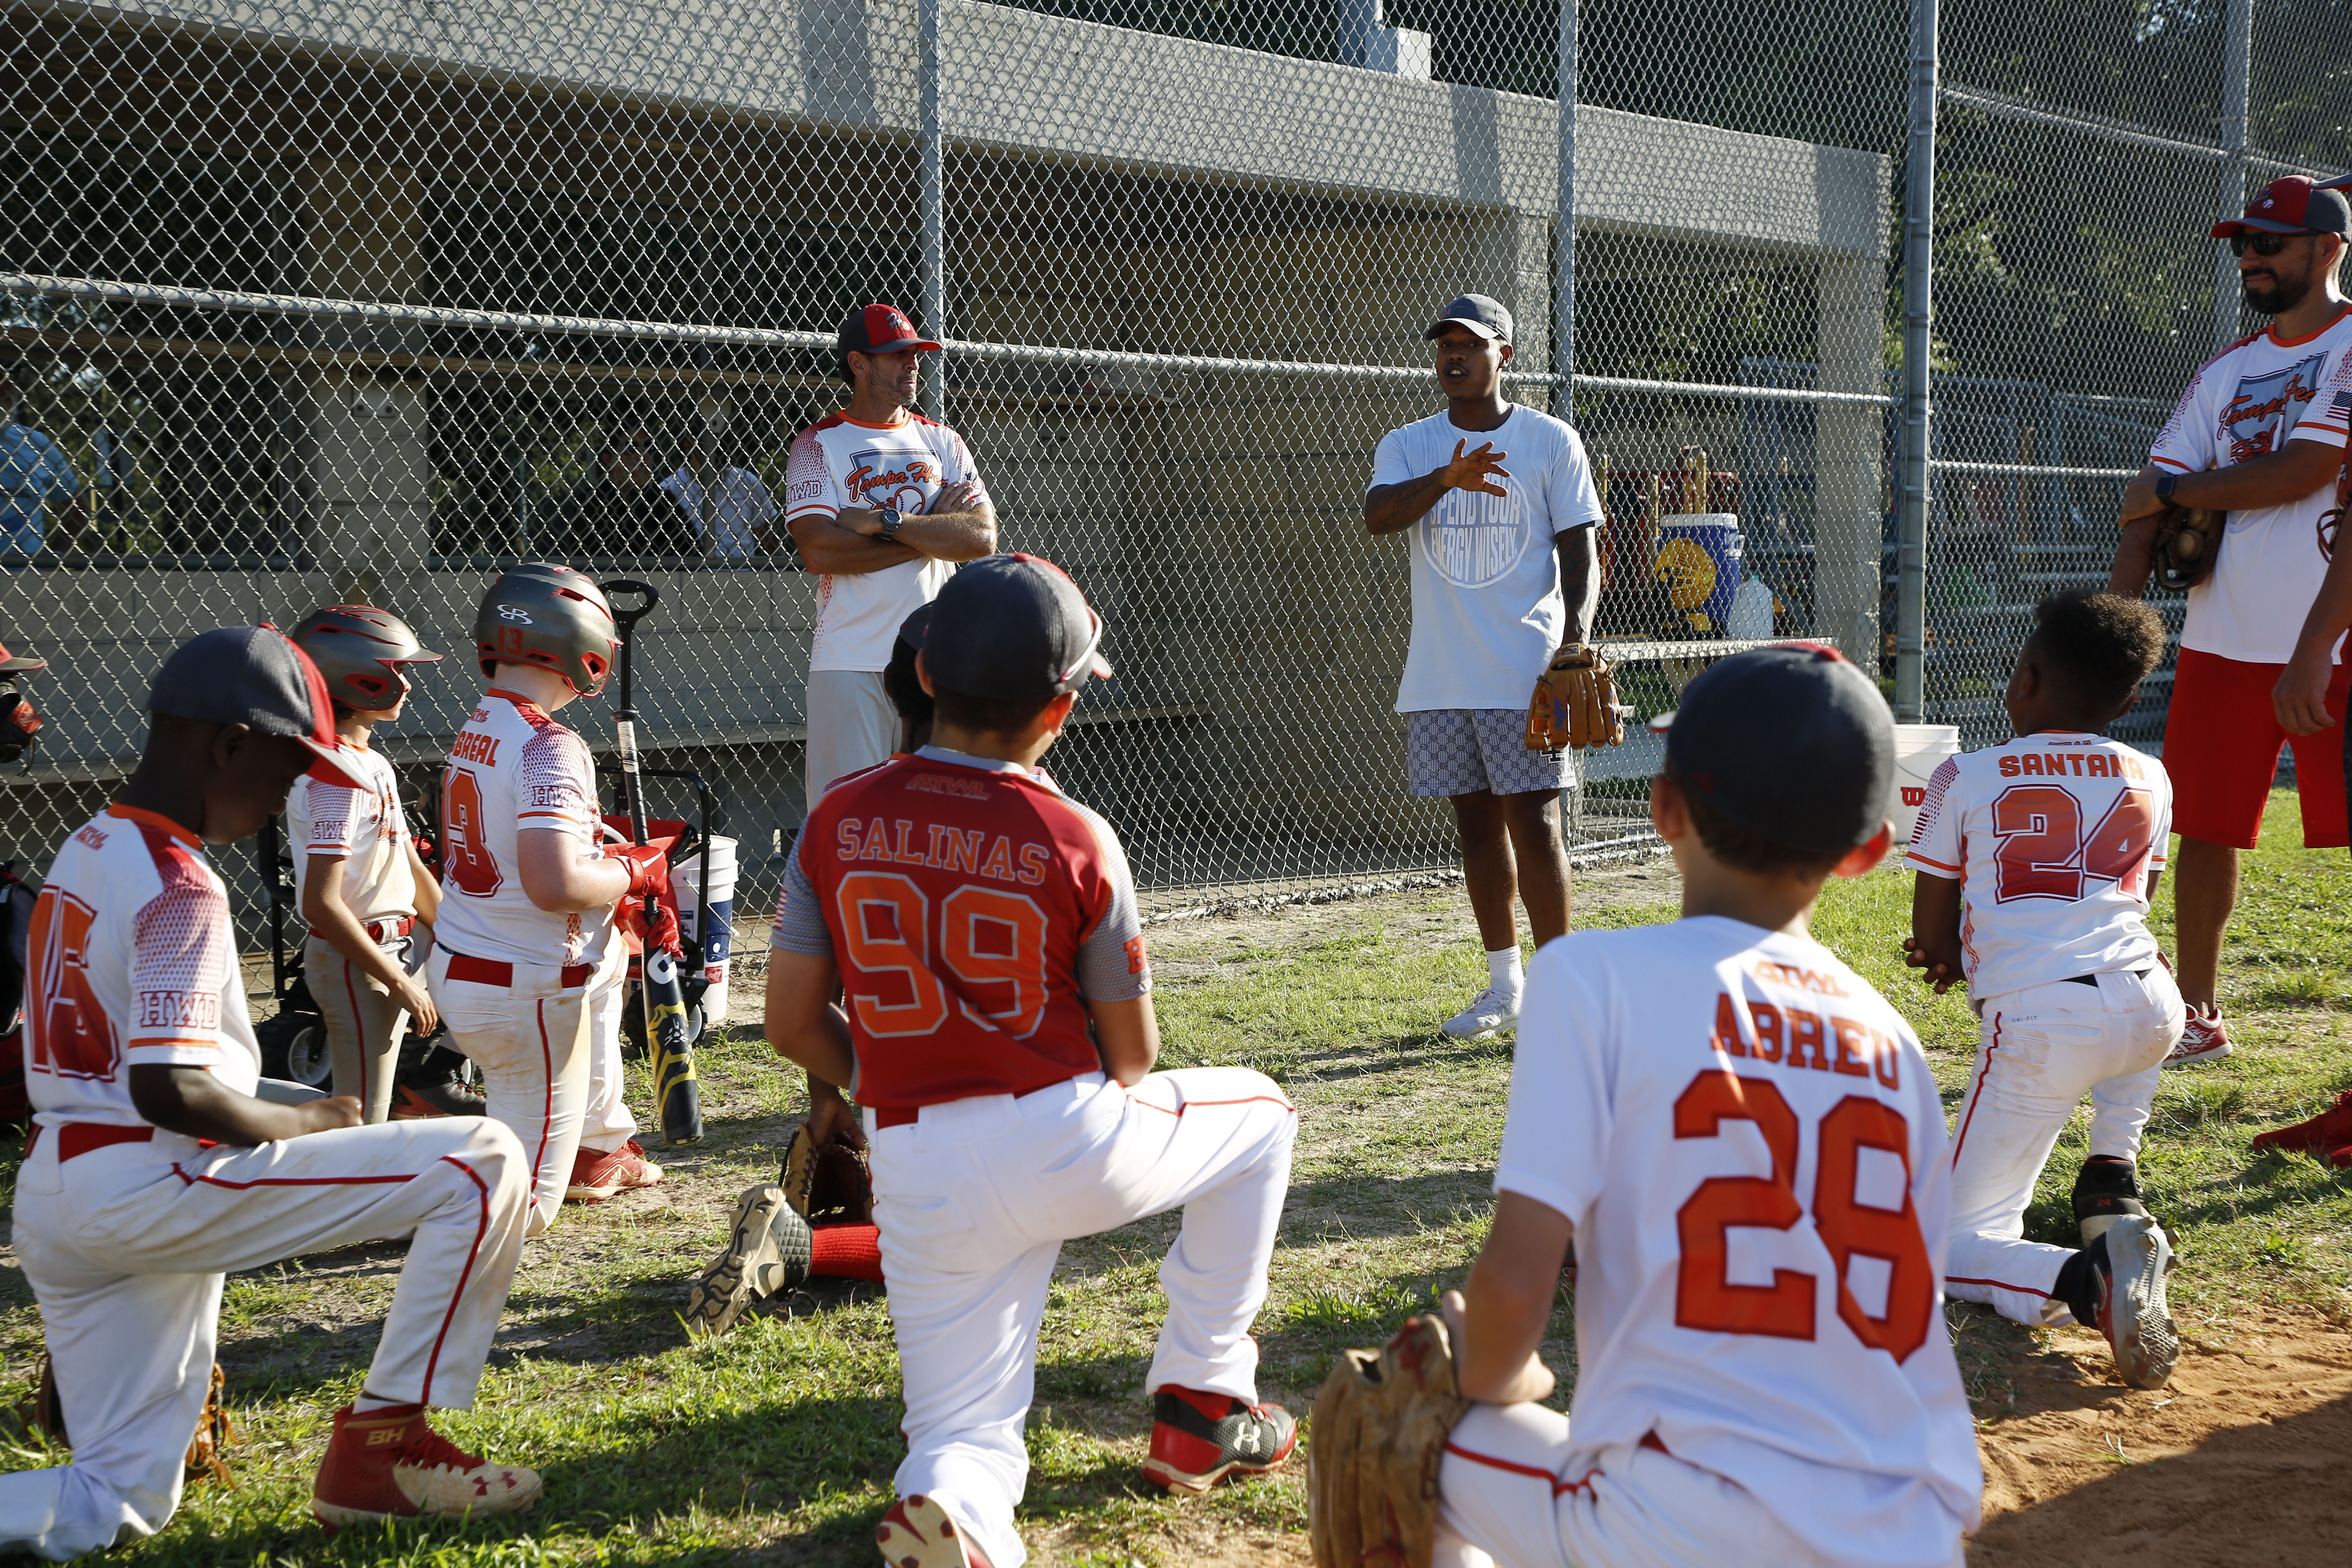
<point x="76" y="1139"/>
<point x="379" y="930"/>
<point x="492" y="972"/>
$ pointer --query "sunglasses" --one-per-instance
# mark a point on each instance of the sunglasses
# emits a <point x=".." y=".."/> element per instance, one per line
<point x="2261" y="244"/>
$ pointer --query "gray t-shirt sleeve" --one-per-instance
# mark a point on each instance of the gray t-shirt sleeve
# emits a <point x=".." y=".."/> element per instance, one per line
<point x="1112" y="964"/>
<point x="799" y="924"/>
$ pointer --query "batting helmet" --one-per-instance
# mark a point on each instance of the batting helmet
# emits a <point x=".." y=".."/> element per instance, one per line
<point x="360" y="649"/>
<point x="550" y="617"/>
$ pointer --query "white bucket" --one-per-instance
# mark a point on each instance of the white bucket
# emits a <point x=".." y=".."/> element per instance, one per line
<point x="684" y="879"/>
<point x="1917" y="749"/>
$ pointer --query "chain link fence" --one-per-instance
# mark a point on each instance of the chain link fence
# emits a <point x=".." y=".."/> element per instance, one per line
<point x="367" y="298"/>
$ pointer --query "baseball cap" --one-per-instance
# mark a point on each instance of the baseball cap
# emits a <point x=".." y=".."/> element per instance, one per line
<point x="1791" y="743"/>
<point x="917" y="622"/>
<point x="1485" y="317"/>
<point x="253" y="675"/>
<point x="1012" y="625"/>
<point x="879" y="330"/>
<point x="10" y="663"/>
<point x="2292" y="205"/>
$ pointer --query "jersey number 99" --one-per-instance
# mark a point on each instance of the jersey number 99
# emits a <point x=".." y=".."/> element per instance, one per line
<point x="991" y="943"/>
<point x="1705" y="1297"/>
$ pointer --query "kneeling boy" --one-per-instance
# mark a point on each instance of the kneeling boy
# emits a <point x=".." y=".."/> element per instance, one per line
<point x="2036" y="861"/>
<point x="154" y="1171"/>
<point x="999" y="1036"/>
<point x="1744" y="1141"/>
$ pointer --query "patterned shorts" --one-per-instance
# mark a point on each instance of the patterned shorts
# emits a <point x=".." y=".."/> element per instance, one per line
<point x="1458" y="751"/>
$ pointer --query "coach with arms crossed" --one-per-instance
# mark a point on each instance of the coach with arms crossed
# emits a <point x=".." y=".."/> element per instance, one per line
<point x="1503" y="573"/>
<point x="882" y="502"/>
<point x="2259" y="434"/>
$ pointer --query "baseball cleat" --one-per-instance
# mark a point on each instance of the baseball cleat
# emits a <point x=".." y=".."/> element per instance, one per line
<point x="1199" y="1440"/>
<point x="597" y="1176"/>
<point x="917" y="1533"/>
<point x="391" y="1464"/>
<point x="1484" y="1016"/>
<point x="2331" y="1128"/>
<point x="2204" y="1040"/>
<point x="767" y="1251"/>
<point x="412" y="1101"/>
<point x="2131" y="1262"/>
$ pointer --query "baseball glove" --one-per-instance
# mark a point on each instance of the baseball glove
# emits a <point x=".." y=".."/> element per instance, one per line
<point x="207" y="1450"/>
<point x="1381" y="1425"/>
<point x="826" y="1183"/>
<point x="1575" y="702"/>
<point x="2188" y="542"/>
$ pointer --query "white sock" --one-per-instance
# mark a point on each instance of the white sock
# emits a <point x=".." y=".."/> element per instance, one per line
<point x="1503" y="973"/>
<point x="367" y="1402"/>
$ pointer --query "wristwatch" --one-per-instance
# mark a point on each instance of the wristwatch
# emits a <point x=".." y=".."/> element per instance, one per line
<point x="890" y="521"/>
<point x="2164" y="484"/>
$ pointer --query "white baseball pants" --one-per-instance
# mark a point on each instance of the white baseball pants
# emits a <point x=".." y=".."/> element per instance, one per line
<point x="365" y="1027"/>
<point x="606" y="1122"/>
<point x="851" y="726"/>
<point x="2039" y="1052"/>
<point x="533" y="1050"/>
<point x="1514" y="1492"/>
<point x="975" y="1200"/>
<point x="125" y="1247"/>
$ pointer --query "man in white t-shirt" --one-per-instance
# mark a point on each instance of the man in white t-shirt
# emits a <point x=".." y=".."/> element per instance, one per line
<point x="2260" y="433"/>
<point x="883" y="503"/>
<point x="1746" y="1145"/>
<point x="726" y="506"/>
<point x="1505" y="574"/>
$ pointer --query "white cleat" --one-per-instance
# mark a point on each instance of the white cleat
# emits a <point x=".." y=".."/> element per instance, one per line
<point x="1483" y="1017"/>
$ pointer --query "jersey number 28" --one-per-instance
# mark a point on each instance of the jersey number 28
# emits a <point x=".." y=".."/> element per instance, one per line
<point x="1705" y="1297"/>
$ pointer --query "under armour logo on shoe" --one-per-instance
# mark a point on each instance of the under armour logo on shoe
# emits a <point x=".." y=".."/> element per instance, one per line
<point x="1246" y="1441"/>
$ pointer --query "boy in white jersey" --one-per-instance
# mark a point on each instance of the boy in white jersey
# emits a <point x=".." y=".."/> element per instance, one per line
<point x="153" y="1170"/>
<point x="524" y="945"/>
<point x="1744" y="1141"/>
<point x="357" y="879"/>
<point x="2037" y="861"/>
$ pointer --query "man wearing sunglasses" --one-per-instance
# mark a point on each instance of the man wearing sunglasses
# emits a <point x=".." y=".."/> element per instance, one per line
<point x="2260" y="433"/>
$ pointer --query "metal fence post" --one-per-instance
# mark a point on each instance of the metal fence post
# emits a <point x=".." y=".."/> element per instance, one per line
<point x="934" y="392"/>
<point x="1918" y="278"/>
<point x="1563" y="264"/>
<point x="2236" y="88"/>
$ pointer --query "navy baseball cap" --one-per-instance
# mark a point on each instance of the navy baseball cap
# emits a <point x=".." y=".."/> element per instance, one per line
<point x="1012" y="625"/>
<point x="879" y="330"/>
<point x="2290" y="204"/>
<point x="1791" y="743"/>
<point x="917" y="622"/>
<point x="1485" y="317"/>
<point x="257" y="677"/>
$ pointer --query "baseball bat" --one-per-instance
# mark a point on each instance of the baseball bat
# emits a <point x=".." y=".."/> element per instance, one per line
<point x="675" y="1089"/>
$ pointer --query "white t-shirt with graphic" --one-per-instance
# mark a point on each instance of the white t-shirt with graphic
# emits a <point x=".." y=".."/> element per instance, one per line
<point x="363" y="825"/>
<point x="1487" y="613"/>
<point x="1751" y="1148"/>
<point x="841" y="462"/>
<point x="2251" y="400"/>
<point x="2053" y="838"/>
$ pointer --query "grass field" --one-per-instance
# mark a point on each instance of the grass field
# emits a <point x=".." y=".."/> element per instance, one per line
<point x="777" y="1443"/>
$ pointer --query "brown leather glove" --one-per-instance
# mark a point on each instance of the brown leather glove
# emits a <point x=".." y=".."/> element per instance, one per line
<point x="826" y="1183"/>
<point x="1575" y="702"/>
<point x="2188" y="542"/>
<point x="1379" y="1435"/>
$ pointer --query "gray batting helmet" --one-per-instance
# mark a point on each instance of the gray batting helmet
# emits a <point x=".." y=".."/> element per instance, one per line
<point x="360" y="649"/>
<point x="550" y="617"/>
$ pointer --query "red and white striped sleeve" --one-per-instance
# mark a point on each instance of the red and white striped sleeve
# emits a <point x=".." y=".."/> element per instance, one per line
<point x="556" y="786"/>
<point x="183" y="950"/>
<point x="1936" y="847"/>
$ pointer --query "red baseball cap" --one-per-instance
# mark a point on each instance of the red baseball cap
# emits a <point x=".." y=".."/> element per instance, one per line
<point x="2291" y="205"/>
<point x="880" y="329"/>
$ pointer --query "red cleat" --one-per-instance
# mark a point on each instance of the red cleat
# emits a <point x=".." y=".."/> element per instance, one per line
<point x="1199" y="1440"/>
<point x="2331" y="1128"/>
<point x="2204" y="1040"/>
<point x="917" y="1533"/>
<point x="390" y="1463"/>
<point x="596" y="1177"/>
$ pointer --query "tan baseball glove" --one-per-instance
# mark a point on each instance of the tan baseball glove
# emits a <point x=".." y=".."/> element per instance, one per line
<point x="826" y="1183"/>
<point x="207" y="1451"/>
<point x="1575" y="702"/>
<point x="2188" y="542"/>
<point x="1381" y="1425"/>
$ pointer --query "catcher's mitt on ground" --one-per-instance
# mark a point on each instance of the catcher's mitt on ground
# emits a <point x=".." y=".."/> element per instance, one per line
<point x="826" y="1183"/>
<point x="207" y="1451"/>
<point x="2188" y="542"/>
<point x="1575" y="702"/>
<point x="1381" y="1426"/>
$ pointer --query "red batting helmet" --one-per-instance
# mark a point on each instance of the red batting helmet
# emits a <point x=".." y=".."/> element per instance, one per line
<point x="360" y="649"/>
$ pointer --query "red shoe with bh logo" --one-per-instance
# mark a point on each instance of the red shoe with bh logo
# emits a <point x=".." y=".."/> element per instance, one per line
<point x="389" y="1463"/>
<point x="917" y="1533"/>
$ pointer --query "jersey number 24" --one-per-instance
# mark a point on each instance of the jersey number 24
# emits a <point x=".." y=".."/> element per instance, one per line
<point x="2046" y="853"/>
<point x="1705" y="1297"/>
